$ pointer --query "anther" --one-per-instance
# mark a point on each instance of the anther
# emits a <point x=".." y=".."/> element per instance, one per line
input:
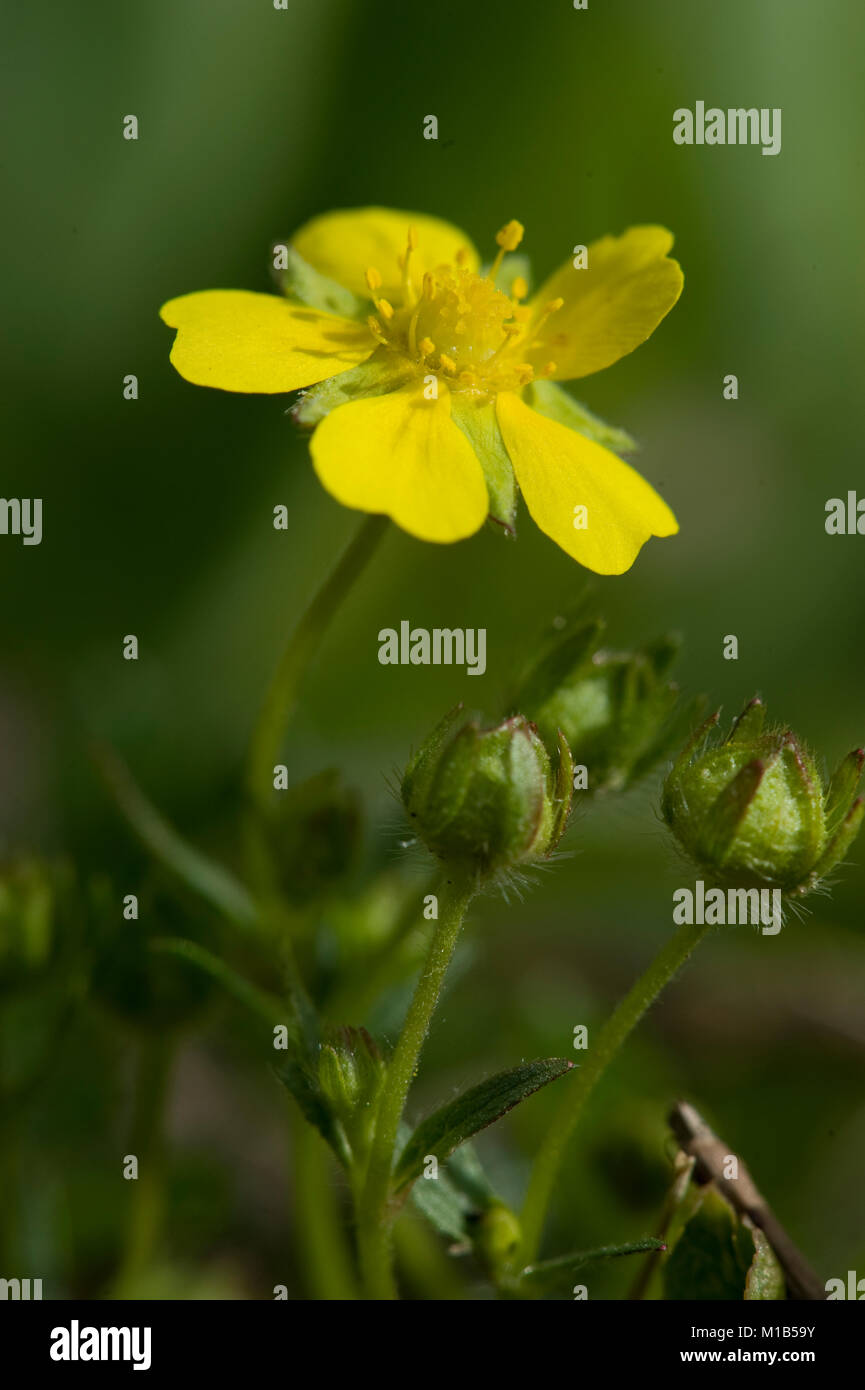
<point x="519" y="288"/>
<point x="427" y="346"/>
<point x="508" y="239"/>
<point x="447" y="363"/>
<point x="375" y="329"/>
<point x="510" y="236"/>
<point x="373" y="279"/>
<point x="385" y="308"/>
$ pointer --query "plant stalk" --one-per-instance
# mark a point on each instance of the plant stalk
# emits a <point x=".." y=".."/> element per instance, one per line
<point x="612" y="1037"/>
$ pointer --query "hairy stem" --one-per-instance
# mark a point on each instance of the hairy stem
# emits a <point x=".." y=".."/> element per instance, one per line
<point x="374" y="1217"/>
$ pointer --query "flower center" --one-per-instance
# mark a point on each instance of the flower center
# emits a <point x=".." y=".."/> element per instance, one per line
<point x="458" y="325"/>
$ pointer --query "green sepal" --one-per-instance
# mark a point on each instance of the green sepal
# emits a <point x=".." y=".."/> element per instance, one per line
<point x="443" y="1131"/>
<point x="842" y="789"/>
<point x="383" y="372"/>
<point x="300" y="282"/>
<point x="476" y="417"/>
<point x="842" y="839"/>
<point x="564" y="789"/>
<point x="765" y="1278"/>
<point x="807" y="793"/>
<point x="550" y="400"/>
<point x="556" y="1276"/>
<point x="731" y="808"/>
<point x="749" y="724"/>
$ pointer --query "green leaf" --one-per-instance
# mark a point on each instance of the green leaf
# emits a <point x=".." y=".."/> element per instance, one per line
<point x="713" y="1255"/>
<point x="300" y="282"/>
<point x="447" y="1128"/>
<point x="554" y="1276"/>
<point x="765" y="1277"/>
<point x="550" y="400"/>
<point x="445" y="1208"/>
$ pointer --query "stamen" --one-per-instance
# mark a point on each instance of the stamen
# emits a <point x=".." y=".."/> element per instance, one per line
<point x="525" y="372"/>
<point x="385" y="308"/>
<point x="447" y="364"/>
<point x="375" y="329"/>
<point x="373" y="279"/>
<point x="429" y="285"/>
<point x="508" y="239"/>
<point x="427" y="346"/>
<point x="552" y="307"/>
<point x="519" y="288"/>
<point x="462" y="256"/>
<point x="550" y="369"/>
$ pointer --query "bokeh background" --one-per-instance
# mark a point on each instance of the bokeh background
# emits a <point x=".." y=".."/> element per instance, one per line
<point x="158" y="522"/>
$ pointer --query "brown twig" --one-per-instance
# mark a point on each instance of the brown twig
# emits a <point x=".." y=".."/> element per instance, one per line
<point x="712" y="1156"/>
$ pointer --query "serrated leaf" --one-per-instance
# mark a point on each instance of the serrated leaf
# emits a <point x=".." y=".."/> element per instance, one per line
<point x="443" y="1131"/>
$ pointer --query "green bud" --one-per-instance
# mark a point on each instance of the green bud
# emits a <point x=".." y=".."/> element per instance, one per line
<point x="496" y="1236"/>
<point x="486" y="800"/>
<point x="613" y="708"/>
<point x="752" y="811"/>
<point x="350" y="1071"/>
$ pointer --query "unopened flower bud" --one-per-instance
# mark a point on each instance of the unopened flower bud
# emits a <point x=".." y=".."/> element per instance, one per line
<point x="485" y="800"/>
<point x="350" y="1070"/>
<point x="752" y="811"/>
<point x="613" y="708"/>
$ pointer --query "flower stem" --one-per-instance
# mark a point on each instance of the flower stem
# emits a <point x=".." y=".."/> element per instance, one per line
<point x="613" y="1035"/>
<point x="374" y="1218"/>
<point x="282" y="692"/>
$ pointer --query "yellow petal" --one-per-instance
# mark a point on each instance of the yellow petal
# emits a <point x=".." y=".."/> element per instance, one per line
<point x="559" y="471"/>
<point x="612" y="306"/>
<point x="403" y="456"/>
<point x="343" y="245"/>
<point x="239" y="341"/>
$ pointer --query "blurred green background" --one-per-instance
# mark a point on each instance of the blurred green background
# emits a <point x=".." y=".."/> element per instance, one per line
<point x="158" y="522"/>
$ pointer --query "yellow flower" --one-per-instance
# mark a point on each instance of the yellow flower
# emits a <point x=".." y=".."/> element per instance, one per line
<point x="432" y="380"/>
